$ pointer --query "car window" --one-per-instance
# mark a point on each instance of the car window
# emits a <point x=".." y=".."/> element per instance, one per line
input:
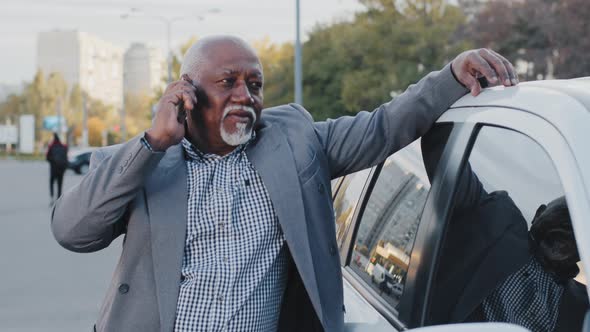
<point x="334" y="184"/>
<point x="388" y="225"/>
<point x="346" y="200"/>
<point x="509" y="253"/>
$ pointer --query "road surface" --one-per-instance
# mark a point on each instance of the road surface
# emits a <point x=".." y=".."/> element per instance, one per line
<point x="44" y="287"/>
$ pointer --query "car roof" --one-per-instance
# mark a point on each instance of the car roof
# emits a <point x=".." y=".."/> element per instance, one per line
<point x="572" y="95"/>
<point x="563" y="103"/>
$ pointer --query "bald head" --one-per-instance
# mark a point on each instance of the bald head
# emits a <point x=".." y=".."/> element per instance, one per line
<point x="212" y="47"/>
<point x="227" y="78"/>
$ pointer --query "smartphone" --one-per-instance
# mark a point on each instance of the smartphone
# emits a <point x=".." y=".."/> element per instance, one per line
<point x="483" y="82"/>
<point x="202" y="101"/>
<point x="181" y="113"/>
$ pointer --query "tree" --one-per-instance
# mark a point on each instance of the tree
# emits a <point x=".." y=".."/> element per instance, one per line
<point x="96" y="126"/>
<point x="176" y="64"/>
<point x="11" y="107"/>
<point x="138" y="113"/>
<point x="351" y="66"/>
<point x="277" y="63"/>
<point x="544" y="36"/>
<point x="569" y="32"/>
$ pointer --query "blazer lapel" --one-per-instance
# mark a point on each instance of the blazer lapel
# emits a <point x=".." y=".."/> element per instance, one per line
<point x="272" y="157"/>
<point x="167" y="196"/>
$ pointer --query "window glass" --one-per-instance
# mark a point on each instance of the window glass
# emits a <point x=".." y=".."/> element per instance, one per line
<point x="509" y="253"/>
<point x="389" y="223"/>
<point x="507" y="160"/>
<point x="346" y="201"/>
<point x="334" y="184"/>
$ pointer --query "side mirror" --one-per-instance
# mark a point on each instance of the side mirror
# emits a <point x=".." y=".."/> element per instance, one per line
<point x="472" y="327"/>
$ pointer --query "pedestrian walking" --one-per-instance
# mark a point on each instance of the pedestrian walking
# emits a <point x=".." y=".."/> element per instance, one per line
<point x="57" y="156"/>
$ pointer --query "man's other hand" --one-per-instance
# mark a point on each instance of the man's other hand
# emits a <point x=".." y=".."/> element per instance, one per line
<point x="168" y="127"/>
<point x="471" y="65"/>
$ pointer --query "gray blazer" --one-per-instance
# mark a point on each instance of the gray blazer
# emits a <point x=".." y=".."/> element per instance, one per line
<point x="143" y="195"/>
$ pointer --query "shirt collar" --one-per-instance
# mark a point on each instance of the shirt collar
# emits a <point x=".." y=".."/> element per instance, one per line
<point x="191" y="152"/>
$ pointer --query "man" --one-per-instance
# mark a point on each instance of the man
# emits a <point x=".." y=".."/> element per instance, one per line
<point x="228" y="217"/>
<point x="57" y="156"/>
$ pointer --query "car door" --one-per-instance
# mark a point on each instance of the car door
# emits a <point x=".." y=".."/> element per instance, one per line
<point x="530" y="140"/>
<point x="513" y="164"/>
<point x="376" y="237"/>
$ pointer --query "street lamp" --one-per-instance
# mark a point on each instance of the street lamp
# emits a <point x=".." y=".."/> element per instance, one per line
<point x="298" y="75"/>
<point x="168" y="22"/>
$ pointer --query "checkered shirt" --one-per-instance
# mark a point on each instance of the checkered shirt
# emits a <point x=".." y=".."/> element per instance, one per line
<point x="235" y="265"/>
<point x="529" y="297"/>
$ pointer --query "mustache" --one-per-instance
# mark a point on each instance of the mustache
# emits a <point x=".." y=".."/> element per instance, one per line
<point x="244" y="108"/>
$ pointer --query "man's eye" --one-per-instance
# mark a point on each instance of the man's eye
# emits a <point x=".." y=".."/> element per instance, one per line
<point x="256" y="85"/>
<point x="227" y="81"/>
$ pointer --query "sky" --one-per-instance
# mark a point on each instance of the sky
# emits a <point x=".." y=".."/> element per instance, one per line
<point x="22" y="20"/>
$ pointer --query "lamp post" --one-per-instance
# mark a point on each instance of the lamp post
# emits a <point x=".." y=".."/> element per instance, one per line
<point x="298" y="75"/>
<point x="168" y="22"/>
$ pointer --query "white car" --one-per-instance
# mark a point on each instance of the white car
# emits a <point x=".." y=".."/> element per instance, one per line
<point x="530" y="142"/>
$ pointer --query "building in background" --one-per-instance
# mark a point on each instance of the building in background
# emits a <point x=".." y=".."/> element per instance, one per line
<point x="81" y="58"/>
<point x="9" y="89"/>
<point x="143" y="69"/>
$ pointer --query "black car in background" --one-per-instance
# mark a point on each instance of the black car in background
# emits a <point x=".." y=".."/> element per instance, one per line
<point x="79" y="160"/>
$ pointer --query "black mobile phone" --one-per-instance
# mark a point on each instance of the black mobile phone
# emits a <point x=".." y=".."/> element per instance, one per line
<point x="181" y="113"/>
<point x="202" y="101"/>
<point x="483" y="82"/>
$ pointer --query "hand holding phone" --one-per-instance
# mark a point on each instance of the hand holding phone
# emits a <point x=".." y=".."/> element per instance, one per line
<point x="180" y="107"/>
<point x="168" y="127"/>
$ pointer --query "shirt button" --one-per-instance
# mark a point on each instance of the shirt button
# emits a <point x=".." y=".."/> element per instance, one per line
<point x="222" y="225"/>
<point x="225" y="259"/>
<point x="123" y="288"/>
<point x="321" y="188"/>
<point x="220" y="298"/>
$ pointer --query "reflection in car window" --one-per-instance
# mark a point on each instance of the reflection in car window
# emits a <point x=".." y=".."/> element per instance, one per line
<point x="509" y="253"/>
<point x="334" y="184"/>
<point x="506" y="160"/>
<point x="389" y="223"/>
<point x="346" y="201"/>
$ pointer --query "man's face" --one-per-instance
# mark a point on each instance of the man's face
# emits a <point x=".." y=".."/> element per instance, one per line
<point x="230" y="98"/>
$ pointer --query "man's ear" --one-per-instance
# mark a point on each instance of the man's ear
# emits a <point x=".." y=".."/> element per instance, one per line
<point x="540" y="211"/>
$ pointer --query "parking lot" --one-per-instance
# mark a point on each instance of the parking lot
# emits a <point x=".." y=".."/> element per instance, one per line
<point x="367" y="278"/>
<point x="43" y="287"/>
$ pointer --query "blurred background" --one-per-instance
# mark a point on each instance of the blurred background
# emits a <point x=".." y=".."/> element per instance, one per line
<point x="92" y="71"/>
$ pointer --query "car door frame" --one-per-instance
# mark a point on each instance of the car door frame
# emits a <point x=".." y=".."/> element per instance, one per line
<point x="466" y="124"/>
<point x="457" y="137"/>
<point x="538" y="129"/>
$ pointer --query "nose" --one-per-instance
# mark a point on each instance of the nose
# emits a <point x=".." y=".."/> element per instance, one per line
<point x="241" y="94"/>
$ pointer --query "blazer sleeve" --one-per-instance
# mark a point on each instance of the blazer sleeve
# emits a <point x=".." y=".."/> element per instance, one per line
<point x="352" y="143"/>
<point x="91" y="215"/>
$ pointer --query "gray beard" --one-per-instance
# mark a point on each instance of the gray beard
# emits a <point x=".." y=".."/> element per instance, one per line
<point x="242" y="132"/>
<point x="240" y="136"/>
